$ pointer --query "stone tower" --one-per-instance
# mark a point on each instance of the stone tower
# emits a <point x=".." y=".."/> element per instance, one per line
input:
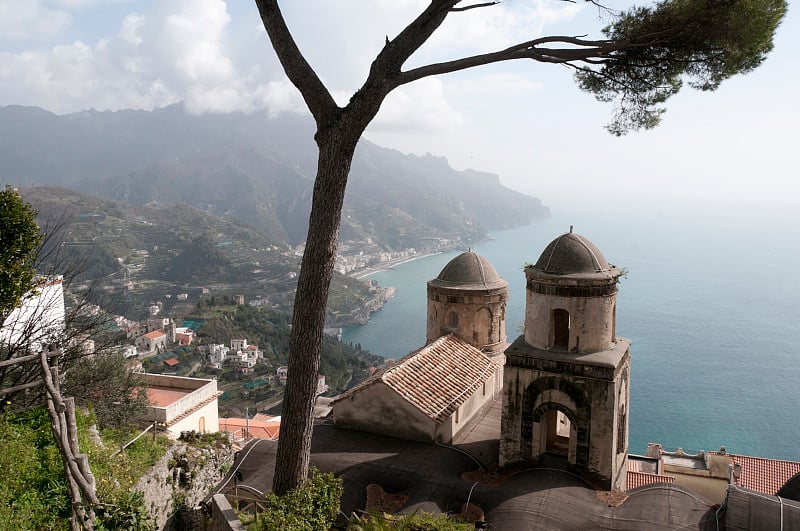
<point x="566" y="378"/>
<point x="468" y="299"/>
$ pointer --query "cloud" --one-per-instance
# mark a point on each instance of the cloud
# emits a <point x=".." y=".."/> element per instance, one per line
<point x="495" y="27"/>
<point x="177" y="51"/>
<point x="192" y="51"/>
<point x="419" y="108"/>
<point x="30" y="20"/>
<point x="495" y="85"/>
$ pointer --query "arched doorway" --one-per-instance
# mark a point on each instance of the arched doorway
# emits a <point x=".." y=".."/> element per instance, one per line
<point x="544" y="431"/>
<point x="554" y="433"/>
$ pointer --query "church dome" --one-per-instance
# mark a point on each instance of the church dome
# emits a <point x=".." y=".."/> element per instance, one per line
<point x="572" y="254"/>
<point x="469" y="270"/>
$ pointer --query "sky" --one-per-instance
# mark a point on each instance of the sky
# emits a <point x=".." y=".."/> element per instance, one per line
<point x="525" y="121"/>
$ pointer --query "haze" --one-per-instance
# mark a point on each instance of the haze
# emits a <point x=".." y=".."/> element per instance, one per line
<point x="527" y="122"/>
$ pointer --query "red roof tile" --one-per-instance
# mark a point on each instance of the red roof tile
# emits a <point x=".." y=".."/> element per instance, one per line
<point x="437" y="378"/>
<point x="634" y="480"/>
<point x="762" y="474"/>
<point x="171" y="362"/>
<point x="268" y="430"/>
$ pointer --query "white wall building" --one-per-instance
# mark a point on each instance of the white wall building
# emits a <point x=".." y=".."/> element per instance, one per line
<point x="183" y="404"/>
<point x="40" y="318"/>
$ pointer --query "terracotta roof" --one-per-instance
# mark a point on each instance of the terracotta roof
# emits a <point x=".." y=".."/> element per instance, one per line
<point x="437" y="378"/>
<point x="762" y="474"/>
<point x="155" y="334"/>
<point x="171" y="362"/>
<point x="268" y="430"/>
<point x="634" y="480"/>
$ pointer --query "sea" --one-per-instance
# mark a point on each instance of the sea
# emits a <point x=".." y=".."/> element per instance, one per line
<point x="710" y="301"/>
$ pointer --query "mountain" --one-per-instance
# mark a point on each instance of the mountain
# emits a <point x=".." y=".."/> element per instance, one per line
<point x="254" y="170"/>
<point x="141" y="255"/>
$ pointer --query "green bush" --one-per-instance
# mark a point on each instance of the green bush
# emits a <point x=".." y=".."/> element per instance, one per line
<point x="33" y="492"/>
<point x="409" y="522"/>
<point x="312" y="507"/>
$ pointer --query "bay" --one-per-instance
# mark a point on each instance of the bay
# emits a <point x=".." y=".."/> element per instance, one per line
<point x="710" y="302"/>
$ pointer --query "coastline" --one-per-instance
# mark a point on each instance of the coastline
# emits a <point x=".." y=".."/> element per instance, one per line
<point x="391" y="264"/>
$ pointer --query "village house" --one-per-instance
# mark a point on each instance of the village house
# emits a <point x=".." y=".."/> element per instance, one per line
<point x="152" y="341"/>
<point x="217" y="354"/>
<point x="282" y="373"/>
<point x="182" y="404"/>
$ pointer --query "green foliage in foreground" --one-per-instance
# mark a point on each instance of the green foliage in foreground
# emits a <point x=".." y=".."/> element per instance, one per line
<point x="315" y="507"/>
<point x="19" y="246"/>
<point x="33" y="492"/>
<point x="312" y="507"/>
<point x="409" y="522"/>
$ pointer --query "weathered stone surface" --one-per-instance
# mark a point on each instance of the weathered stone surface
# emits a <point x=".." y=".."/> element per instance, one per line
<point x="183" y="476"/>
<point x="566" y="378"/>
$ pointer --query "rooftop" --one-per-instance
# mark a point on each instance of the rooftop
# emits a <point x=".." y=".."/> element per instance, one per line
<point x="163" y="396"/>
<point x="469" y="271"/>
<point x="438" y="478"/>
<point x="762" y="474"/>
<point x="573" y="255"/>
<point x="436" y="378"/>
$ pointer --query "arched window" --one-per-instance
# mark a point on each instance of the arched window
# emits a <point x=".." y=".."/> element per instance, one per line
<point x="560" y="329"/>
<point x="453" y="320"/>
<point x="622" y="429"/>
<point x="484" y="328"/>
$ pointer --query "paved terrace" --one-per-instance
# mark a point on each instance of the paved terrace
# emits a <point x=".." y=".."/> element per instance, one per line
<point x="438" y="478"/>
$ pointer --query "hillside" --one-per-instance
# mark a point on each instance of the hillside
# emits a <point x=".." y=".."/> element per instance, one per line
<point x="253" y="170"/>
<point x="142" y="255"/>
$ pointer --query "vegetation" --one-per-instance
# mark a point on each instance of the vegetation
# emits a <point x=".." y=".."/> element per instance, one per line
<point x="646" y="54"/>
<point x="409" y="522"/>
<point x="19" y="246"/>
<point x="313" y="506"/>
<point x="33" y="492"/>
<point x="105" y="384"/>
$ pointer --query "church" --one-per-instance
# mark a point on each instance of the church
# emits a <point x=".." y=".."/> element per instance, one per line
<point x="563" y="383"/>
<point x="529" y="434"/>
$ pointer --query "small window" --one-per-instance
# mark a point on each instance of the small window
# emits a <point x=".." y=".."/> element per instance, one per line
<point x="453" y="320"/>
<point x="561" y="329"/>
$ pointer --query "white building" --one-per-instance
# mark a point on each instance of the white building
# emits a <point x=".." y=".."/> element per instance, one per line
<point x="40" y="318"/>
<point x="183" y="404"/>
<point x="217" y="354"/>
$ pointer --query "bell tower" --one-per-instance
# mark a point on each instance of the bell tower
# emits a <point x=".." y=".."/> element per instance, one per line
<point x="566" y="378"/>
<point x="468" y="299"/>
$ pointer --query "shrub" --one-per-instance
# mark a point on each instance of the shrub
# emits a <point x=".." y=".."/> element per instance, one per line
<point x="312" y="507"/>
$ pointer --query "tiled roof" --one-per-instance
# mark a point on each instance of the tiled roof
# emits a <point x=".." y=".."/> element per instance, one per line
<point x="437" y="378"/>
<point x="634" y="480"/>
<point x="171" y="362"/>
<point x="762" y="474"/>
<point x="637" y="478"/>
<point x="267" y="430"/>
<point x="155" y="334"/>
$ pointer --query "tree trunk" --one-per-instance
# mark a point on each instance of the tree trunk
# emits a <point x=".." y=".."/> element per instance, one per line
<point x="336" y="149"/>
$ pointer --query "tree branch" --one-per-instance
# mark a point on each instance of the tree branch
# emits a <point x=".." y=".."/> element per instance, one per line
<point x="316" y="95"/>
<point x="473" y="6"/>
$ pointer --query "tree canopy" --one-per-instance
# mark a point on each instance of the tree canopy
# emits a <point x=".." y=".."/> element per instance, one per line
<point x="19" y="244"/>
<point x="644" y="58"/>
<point x="704" y="42"/>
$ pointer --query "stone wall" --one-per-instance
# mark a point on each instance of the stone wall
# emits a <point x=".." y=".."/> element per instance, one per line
<point x="183" y="477"/>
